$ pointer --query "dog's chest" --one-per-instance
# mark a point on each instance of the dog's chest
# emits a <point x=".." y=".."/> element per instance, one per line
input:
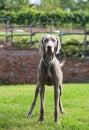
<point x="48" y="76"/>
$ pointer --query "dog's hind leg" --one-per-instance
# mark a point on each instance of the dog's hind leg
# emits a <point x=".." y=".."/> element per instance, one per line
<point x="34" y="101"/>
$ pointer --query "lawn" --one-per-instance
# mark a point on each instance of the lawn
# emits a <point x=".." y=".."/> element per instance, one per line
<point x="15" y="101"/>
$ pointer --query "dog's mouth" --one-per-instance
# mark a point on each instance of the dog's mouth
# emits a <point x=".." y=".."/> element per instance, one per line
<point x="49" y="51"/>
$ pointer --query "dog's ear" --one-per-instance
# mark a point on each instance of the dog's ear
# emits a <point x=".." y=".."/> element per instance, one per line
<point x="58" y="45"/>
<point x="40" y="47"/>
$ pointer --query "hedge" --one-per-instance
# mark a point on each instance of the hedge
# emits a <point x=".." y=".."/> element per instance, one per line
<point x="38" y="17"/>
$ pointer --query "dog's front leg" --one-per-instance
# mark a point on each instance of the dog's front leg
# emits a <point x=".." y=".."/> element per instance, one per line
<point x="60" y="101"/>
<point x="34" y="101"/>
<point x="42" y="92"/>
<point x="56" y="101"/>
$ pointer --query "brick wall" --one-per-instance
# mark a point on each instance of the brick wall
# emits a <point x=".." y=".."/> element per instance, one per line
<point x="76" y="70"/>
<point x="20" y="66"/>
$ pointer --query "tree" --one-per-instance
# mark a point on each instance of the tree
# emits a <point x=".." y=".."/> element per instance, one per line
<point x="62" y="4"/>
<point x="2" y="4"/>
<point x="82" y="5"/>
<point x="67" y="5"/>
<point x="49" y="4"/>
<point x="16" y="4"/>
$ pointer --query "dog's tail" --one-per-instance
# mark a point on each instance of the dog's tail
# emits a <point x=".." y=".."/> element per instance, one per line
<point x="63" y="61"/>
<point x="61" y="58"/>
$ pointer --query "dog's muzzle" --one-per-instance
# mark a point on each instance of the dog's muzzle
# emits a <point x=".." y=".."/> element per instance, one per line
<point x="49" y="49"/>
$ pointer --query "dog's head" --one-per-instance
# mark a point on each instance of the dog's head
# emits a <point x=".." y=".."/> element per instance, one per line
<point x="49" y="44"/>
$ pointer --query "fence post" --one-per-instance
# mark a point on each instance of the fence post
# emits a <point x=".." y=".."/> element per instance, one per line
<point x="31" y="34"/>
<point x="6" y="29"/>
<point x="51" y="29"/>
<point x="60" y="36"/>
<point x="12" y="35"/>
<point x="85" y="41"/>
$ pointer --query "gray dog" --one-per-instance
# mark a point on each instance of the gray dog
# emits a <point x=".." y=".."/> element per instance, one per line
<point x="49" y="73"/>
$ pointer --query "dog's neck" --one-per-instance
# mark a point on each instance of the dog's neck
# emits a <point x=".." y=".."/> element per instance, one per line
<point x="48" y="59"/>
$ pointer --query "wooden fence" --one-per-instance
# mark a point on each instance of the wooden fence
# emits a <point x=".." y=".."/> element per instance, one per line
<point x="33" y="30"/>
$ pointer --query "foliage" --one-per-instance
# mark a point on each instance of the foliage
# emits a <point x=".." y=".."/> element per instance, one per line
<point x="2" y="4"/>
<point x="87" y="51"/>
<point x="21" y="42"/>
<point x="14" y="5"/>
<point x="73" y="48"/>
<point x="47" y="11"/>
<point x="61" y="18"/>
<point x="67" y="5"/>
<point x="47" y="5"/>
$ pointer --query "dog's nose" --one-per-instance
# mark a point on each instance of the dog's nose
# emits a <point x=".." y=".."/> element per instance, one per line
<point x="49" y="48"/>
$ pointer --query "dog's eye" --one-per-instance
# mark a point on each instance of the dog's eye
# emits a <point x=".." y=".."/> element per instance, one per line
<point x="46" y="40"/>
<point x="52" y="39"/>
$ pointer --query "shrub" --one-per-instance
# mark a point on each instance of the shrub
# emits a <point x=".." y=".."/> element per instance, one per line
<point x="72" y="41"/>
<point x="72" y="48"/>
<point x="61" y="17"/>
<point x="21" y="42"/>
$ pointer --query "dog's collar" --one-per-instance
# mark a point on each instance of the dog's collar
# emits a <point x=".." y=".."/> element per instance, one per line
<point x="48" y="62"/>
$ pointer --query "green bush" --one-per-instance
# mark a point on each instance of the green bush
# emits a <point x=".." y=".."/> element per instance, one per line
<point x="27" y="17"/>
<point x="21" y="42"/>
<point x="87" y="50"/>
<point x="72" y="41"/>
<point x="70" y="50"/>
<point x="73" y="48"/>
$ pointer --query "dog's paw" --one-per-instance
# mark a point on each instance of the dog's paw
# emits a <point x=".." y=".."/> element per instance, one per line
<point x="63" y="111"/>
<point x="28" y="115"/>
<point x="41" y="120"/>
<point x="57" y="121"/>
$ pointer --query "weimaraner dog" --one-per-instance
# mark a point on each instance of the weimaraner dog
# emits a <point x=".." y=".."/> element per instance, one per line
<point x="49" y="73"/>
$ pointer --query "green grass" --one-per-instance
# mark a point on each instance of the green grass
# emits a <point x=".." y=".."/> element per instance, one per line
<point x="80" y="38"/>
<point x="15" y="101"/>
